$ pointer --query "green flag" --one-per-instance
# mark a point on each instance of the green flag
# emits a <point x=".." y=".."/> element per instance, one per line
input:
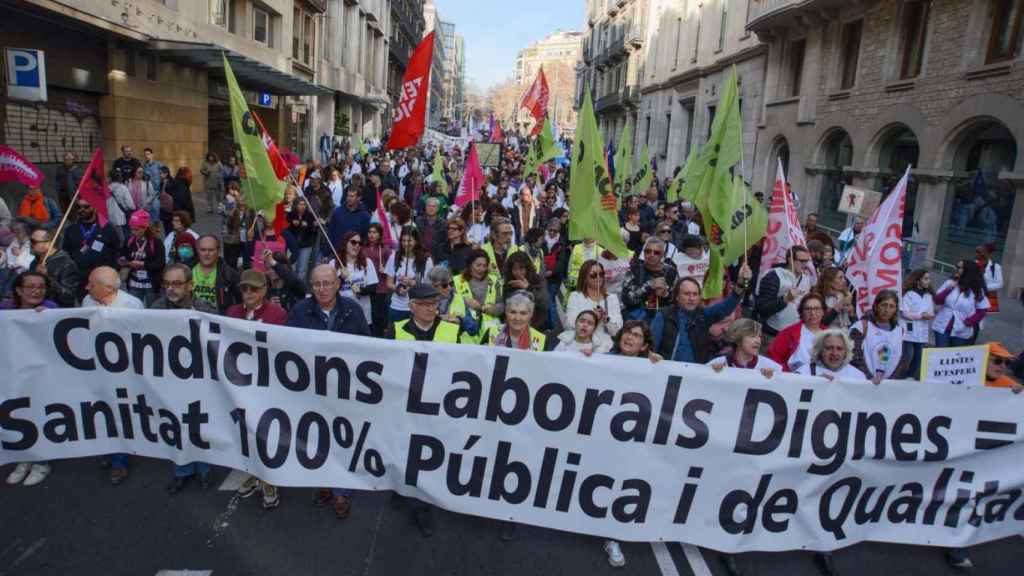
<point x="624" y="157"/>
<point x="542" y="149"/>
<point x="438" y="174"/>
<point x="361" y="148"/>
<point x="674" y="189"/>
<point x="594" y="211"/>
<point x="733" y="220"/>
<point x="259" y="182"/>
<point x="643" y="176"/>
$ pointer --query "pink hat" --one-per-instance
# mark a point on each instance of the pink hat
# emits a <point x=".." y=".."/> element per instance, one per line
<point x="139" y="218"/>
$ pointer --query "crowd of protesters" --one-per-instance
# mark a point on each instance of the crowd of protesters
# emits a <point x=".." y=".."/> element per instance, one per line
<point x="374" y="244"/>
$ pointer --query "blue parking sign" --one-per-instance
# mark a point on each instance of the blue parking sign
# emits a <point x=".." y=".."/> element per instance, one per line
<point x="26" y="74"/>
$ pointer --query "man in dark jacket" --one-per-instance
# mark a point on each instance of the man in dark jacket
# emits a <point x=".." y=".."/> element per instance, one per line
<point x="647" y="285"/>
<point x="69" y="174"/>
<point x="59" y="267"/>
<point x="212" y="279"/>
<point x="349" y="216"/>
<point x="681" y="331"/>
<point x="330" y="311"/>
<point x="388" y="180"/>
<point x="432" y="227"/>
<point x="89" y="244"/>
<point x="126" y="164"/>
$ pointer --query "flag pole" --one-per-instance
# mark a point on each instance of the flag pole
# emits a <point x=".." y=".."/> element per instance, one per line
<point x="63" y="221"/>
<point x="298" y="188"/>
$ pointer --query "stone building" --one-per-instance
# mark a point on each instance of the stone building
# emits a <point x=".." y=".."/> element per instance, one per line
<point x="558" y="53"/>
<point x="854" y="92"/>
<point x="437" y="98"/>
<point x="612" y="59"/>
<point x="690" y="49"/>
<point x="407" y="26"/>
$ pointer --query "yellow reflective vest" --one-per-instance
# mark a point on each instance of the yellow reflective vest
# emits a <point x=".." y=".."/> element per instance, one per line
<point x="445" y="332"/>
<point x="463" y="293"/>
<point x="537" y="338"/>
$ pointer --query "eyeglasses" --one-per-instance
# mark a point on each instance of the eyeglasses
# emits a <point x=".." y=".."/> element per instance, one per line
<point x="454" y="229"/>
<point x="653" y="252"/>
<point x="39" y="241"/>
<point x="34" y="287"/>
<point x="666" y="231"/>
<point x="81" y="207"/>
<point x="250" y="288"/>
<point x="596" y="275"/>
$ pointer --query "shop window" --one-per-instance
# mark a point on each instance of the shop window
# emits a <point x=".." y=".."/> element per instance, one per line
<point x="1004" y="37"/>
<point x="219" y="13"/>
<point x="915" y="33"/>
<point x="850" y="56"/>
<point x="668" y="135"/>
<point x="152" y="67"/>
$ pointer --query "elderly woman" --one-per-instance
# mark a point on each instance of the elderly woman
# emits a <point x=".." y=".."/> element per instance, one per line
<point x="830" y="357"/>
<point x="591" y="293"/>
<point x="792" y="347"/>
<point x="520" y="274"/>
<point x="585" y="338"/>
<point x="878" y="340"/>
<point x="451" y="306"/>
<point x="516" y="331"/>
<point x="745" y="336"/>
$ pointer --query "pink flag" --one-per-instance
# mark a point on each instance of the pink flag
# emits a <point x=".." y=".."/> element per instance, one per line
<point x="93" y="188"/>
<point x="16" y="168"/>
<point x="877" y="259"/>
<point x="784" y="230"/>
<point x="472" y="180"/>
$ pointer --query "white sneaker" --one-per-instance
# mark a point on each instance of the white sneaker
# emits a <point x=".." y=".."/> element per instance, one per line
<point x="19" y="473"/>
<point x="615" y="557"/>
<point x="38" y="474"/>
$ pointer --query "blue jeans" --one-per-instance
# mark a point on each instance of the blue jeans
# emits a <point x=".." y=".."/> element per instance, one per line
<point x="945" y="340"/>
<point x="192" y="468"/>
<point x="302" y="263"/>
<point x="341" y="492"/>
<point x="553" y="305"/>
<point x="119" y="461"/>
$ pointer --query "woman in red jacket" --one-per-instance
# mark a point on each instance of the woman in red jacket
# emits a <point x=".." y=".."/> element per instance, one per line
<point x="792" y="347"/>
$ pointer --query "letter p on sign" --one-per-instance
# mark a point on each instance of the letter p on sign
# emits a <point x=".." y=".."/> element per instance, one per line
<point x="26" y="74"/>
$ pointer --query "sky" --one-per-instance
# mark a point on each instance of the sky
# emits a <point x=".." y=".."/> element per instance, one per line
<point x="495" y="31"/>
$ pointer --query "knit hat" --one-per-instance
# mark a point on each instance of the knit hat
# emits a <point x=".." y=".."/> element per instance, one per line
<point x="138" y="219"/>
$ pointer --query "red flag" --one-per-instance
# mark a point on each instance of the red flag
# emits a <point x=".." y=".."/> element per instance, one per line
<point x="411" y="113"/>
<point x="385" y="226"/>
<point x="93" y="188"/>
<point x="536" y="100"/>
<point x="281" y="168"/>
<point x="498" y="135"/>
<point x="472" y="179"/>
<point x="16" y="168"/>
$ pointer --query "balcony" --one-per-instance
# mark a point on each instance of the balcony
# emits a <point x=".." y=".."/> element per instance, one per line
<point x="766" y="15"/>
<point x="609" y="102"/>
<point x="617" y="50"/>
<point x="634" y="38"/>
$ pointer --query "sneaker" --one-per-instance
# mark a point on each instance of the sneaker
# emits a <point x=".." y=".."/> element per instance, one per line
<point x="249" y="487"/>
<point x="38" y="473"/>
<point x="19" y="473"/>
<point x="958" y="558"/>
<point x="270" y="498"/>
<point x="342" y="507"/>
<point x="177" y="484"/>
<point x="614" y="552"/>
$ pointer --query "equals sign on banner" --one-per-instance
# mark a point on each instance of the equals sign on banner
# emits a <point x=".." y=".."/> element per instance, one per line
<point x="1007" y="431"/>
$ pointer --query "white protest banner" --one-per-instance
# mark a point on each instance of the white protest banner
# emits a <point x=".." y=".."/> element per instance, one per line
<point x="876" y="262"/>
<point x="962" y="365"/>
<point x="609" y="446"/>
<point x="784" y="230"/>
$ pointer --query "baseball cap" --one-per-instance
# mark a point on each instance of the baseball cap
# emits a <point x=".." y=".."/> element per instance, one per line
<point x="997" y="349"/>
<point x="253" y="277"/>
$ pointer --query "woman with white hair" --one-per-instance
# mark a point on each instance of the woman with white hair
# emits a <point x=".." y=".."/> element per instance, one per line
<point x="831" y="356"/>
<point x="745" y="336"/>
<point x="516" y="332"/>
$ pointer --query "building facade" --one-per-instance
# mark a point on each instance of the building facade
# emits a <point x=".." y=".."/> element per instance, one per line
<point x="558" y="53"/>
<point x="689" y="52"/>
<point x="407" y="25"/>
<point x="437" y="97"/>
<point x="854" y="92"/>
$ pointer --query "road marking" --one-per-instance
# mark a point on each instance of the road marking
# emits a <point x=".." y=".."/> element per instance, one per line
<point x="664" y="559"/>
<point x="32" y="549"/>
<point x="220" y="523"/>
<point x="184" y="573"/>
<point x="234" y="480"/>
<point x="696" y="560"/>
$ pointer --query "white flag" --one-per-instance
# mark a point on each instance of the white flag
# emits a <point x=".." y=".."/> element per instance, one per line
<point x="784" y="230"/>
<point x="876" y="262"/>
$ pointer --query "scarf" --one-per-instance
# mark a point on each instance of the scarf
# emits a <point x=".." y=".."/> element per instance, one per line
<point x="504" y="339"/>
<point x="34" y="206"/>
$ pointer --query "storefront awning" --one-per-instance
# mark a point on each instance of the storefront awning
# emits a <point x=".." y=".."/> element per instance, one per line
<point x="249" y="72"/>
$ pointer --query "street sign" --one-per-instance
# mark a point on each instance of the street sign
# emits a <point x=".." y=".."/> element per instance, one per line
<point x="266" y="99"/>
<point x="26" y="74"/>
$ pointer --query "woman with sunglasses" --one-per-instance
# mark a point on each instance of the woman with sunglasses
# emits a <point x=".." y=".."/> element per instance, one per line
<point x="520" y="274"/>
<point x="407" y="267"/>
<point x="378" y="254"/>
<point x="358" y="274"/>
<point x="455" y="248"/>
<point x="664" y="231"/>
<point x="592" y="294"/>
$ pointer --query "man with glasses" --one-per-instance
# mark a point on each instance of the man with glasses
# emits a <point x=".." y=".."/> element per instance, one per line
<point x="647" y="285"/>
<point x="502" y="244"/>
<point x="59" y="268"/>
<point x="328" y="310"/>
<point x="782" y="288"/>
<point x="177" y="295"/>
<point x="89" y="244"/>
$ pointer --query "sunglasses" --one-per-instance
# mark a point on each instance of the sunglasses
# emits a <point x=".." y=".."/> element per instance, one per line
<point x="664" y="231"/>
<point x="1000" y="361"/>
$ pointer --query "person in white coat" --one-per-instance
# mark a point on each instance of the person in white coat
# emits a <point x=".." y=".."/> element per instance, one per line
<point x="991" y="273"/>
<point x="917" y="309"/>
<point x="592" y="294"/>
<point x="745" y="336"/>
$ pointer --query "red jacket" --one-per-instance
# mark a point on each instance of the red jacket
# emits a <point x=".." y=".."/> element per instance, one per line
<point x="268" y="313"/>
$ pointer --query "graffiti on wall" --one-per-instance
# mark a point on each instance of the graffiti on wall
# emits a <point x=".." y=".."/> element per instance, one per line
<point x="44" y="134"/>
